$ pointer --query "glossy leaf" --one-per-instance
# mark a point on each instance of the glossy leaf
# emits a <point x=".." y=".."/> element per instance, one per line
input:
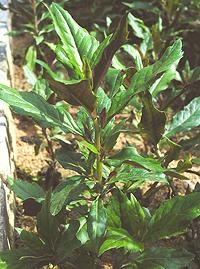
<point x="173" y="216"/>
<point x="32" y="104"/>
<point x="96" y="223"/>
<point x="130" y="155"/>
<point x="76" y="40"/>
<point x="185" y="119"/>
<point x="120" y="238"/>
<point x="67" y="191"/>
<point x="25" y="190"/>
<point x="137" y="176"/>
<point x="144" y="79"/>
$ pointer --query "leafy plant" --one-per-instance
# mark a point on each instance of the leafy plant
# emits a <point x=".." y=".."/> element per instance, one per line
<point x="95" y="210"/>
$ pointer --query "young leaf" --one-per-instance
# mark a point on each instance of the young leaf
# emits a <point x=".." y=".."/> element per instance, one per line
<point x="47" y="225"/>
<point x="163" y="82"/>
<point x="96" y="223"/>
<point x="144" y="79"/>
<point x="173" y="216"/>
<point x="120" y="238"/>
<point x="25" y="190"/>
<point x="117" y="40"/>
<point x="78" y="43"/>
<point x="32" y="104"/>
<point x="163" y="258"/>
<point x="152" y="124"/>
<point x="65" y="191"/>
<point x="185" y="119"/>
<point x="132" y="216"/>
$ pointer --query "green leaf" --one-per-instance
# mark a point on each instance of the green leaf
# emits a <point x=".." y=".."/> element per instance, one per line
<point x="30" y="58"/>
<point x="103" y="101"/>
<point x="70" y="160"/>
<point x="41" y="88"/>
<point x="110" y="134"/>
<point x="22" y="258"/>
<point x="163" y="82"/>
<point x="78" y="43"/>
<point x="135" y="55"/>
<point x="138" y="27"/>
<point x="185" y="119"/>
<point x="96" y="223"/>
<point x="152" y="124"/>
<point x="117" y="40"/>
<point x="120" y="238"/>
<point x="132" y="216"/>
<point x="25" y="190"/>
<point x="128" y="174"/>
<point x="30" y="75"/>
<point x="47" y="225"/>
<point x="173" y="216"/>
<point x="75" y="92"/>
<point x="164" y="258"/>
<point x="3" y="265"/>
<point x="89" y="146"/>
<point x="32" y="104"/>
<point x="113" y="80"/>
<point x="68" y="242"/>
<point x="68" y="190"/>
<point x="82" y="234"/>
<point x="130" y="155"/>
<point x="113" y="212"/>
<point x="140" y="5"/>
<point x="144" y="79"/>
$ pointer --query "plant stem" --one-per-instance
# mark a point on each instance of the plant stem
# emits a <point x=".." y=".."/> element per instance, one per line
<point x="98" y="147"/>
<point x="50" y="144"/>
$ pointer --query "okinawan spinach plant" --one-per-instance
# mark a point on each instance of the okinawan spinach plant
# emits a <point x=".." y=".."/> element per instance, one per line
<point x="95" y="210"/>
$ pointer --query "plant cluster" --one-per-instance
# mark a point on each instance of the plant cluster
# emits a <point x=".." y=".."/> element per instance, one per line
<point x="101" y="212"/>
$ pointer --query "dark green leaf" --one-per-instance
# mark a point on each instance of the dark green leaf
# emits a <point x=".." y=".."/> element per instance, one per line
<point x="70" y="160"/>
<point x="65" y="191"/>
<point x="75" y="92"/>
<point x="96" y="223"/>
<point x="152" y="124"/>
<point x="173" y="216"/>
<point x="117" y="40"/>
<point x="47" y="225"/>
<point x="25" y="190"/>
<point x="68" y="242"/>
<point x="163" y="258"/>
<point x="185" y="119"/>
<point x="130" y="155"/>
